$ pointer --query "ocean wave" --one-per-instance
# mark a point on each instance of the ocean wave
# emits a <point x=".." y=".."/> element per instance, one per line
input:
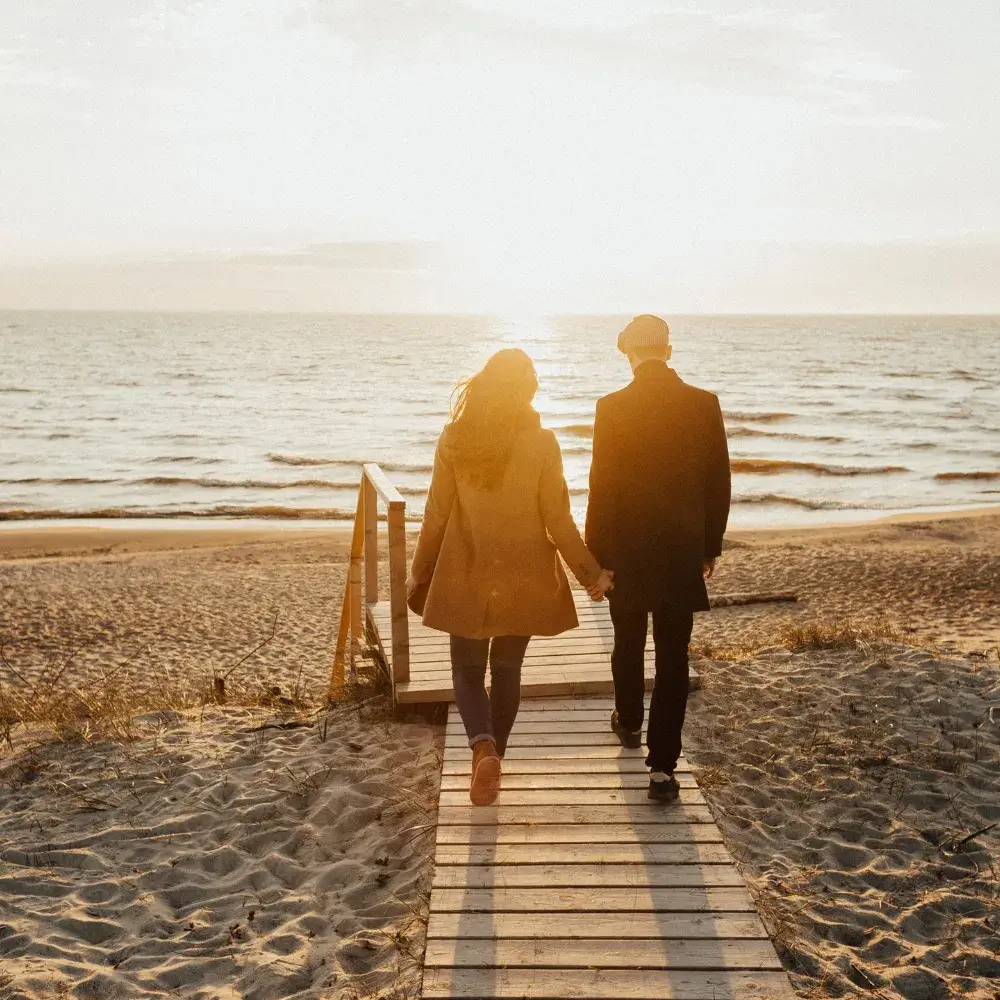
<point x="58" y="481"/>
<point x="758" y="418"/>
<point x="576" y="430"/>
<point x="775" y="498"/>
<point x="16" y="389"/>
<point x="266" y="512"/>
<point x="981" y="475"/>
<point x="349" y="462"/>
<point x="178" y="459"/>
<point x="260" y="484"/>
<point x="740" y="431"/>
<point x="771" y="467"/>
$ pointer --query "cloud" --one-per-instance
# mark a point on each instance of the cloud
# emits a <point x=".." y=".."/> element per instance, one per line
<point x="380" y="255"/>
<point x="773" y="52"/>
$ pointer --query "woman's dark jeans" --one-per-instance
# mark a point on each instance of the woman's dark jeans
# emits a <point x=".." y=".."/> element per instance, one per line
<point x="488" y="716"/>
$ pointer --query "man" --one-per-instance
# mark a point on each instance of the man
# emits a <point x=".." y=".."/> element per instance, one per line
<point x="659" y="502"/>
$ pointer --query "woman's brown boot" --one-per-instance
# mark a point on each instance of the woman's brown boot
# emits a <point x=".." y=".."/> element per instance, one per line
<point x="485" y="773"/>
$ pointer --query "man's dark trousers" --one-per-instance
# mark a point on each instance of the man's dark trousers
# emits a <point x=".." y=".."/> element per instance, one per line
<point x="671" y="636"/>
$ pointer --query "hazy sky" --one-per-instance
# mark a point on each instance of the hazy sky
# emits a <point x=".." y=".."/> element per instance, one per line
<point x="500" y="155"/>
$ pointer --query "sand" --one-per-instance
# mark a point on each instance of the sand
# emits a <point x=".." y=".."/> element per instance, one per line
<point x="842" y="777"/>
<point x="859" y="789"/>
<point x="219" y="856"/>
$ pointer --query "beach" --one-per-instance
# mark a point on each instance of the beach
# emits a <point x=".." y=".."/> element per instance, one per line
<point x="270" y="848"/>
<point x="180" y="603"/>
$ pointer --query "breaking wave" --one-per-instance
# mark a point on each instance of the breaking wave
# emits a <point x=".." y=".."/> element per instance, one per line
<point x="758" y="418"/>
<point x="741" y="431"/>
<point x="772" y="467"/>
<point x="348" y="462"/>
<point x="66" y="481"/>
<point x="984" y="475"/>
<point x="576" y="430"/>
<point x="775" y="498"/>
<point x="267" y="512"/>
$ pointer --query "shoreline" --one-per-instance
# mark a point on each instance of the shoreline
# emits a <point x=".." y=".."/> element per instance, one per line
<point x="72" y="539"/>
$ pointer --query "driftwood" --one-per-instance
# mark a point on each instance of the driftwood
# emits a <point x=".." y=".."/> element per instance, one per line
<point x="740" y="600"/>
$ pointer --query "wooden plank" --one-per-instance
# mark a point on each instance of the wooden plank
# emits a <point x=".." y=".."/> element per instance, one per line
<point x="371" y="541"/>
<point x="543" y="686"/>
<point x="554" y="833"/>
<point x="593" y="900"/>
<point x="650" y="812"/>
<point x="397" y="591"/>
<point x="552" y="741"/>
<point x="626" y="927"/>
<point x="545" y="727"/>
<point x="392" y="497"/>
<point x="606" y="953"/>
<point x="580" y="876"/>
<point x="607" y="984"/>
<point x="572" y="654"/>
<point x="583" y="782"/>
<point x="564" y="767"/>
<point x="566" y="668"/>
<point x="636" y="853"/>
<point x="590" y="704"/>
<point x="455" y="754"/>
<point x="591" y="798"/>
<point x="531" y="711"/>
<point x="568" y="641"/>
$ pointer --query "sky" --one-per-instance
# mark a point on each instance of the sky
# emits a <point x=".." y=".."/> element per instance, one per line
<point x="500" y="156"/>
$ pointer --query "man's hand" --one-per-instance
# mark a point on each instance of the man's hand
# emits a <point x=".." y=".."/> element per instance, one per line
<point x="411" y="586"/>
<point x="708" y="568"/>
<point x="604" y="583"/>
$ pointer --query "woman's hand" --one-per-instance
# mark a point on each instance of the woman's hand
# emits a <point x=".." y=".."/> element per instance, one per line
<point x="604" y="583"/>
<point x="411" y="586"/>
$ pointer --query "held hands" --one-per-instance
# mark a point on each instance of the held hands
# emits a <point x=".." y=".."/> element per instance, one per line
<point x="411" y="586"/>
<point x="708" y="568"/>
<point x="604" y="583"/>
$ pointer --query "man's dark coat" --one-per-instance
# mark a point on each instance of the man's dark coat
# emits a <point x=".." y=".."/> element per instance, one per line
<point x="659" y="489"/>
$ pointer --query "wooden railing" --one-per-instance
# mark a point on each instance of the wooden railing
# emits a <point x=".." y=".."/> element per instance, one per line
<point x="356" y="612"/>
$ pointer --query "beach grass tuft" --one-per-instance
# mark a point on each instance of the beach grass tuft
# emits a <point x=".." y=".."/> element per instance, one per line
<point x="865" y="634"/>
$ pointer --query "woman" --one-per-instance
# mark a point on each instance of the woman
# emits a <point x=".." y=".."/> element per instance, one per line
<point x="486" y="568"/>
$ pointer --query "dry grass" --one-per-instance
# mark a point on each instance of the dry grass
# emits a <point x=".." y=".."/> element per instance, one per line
<point x="62" y="703"/>
<point x="851" y="634"/>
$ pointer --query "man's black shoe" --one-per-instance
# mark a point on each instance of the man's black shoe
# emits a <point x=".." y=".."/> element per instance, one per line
<point x="629" y="740"/>
<point x="663" y="787"/>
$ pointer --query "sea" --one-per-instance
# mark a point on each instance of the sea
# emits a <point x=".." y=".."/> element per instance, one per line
<point x="270" y="417"/>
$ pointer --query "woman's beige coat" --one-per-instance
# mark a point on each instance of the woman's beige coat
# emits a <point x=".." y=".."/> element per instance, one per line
<point x="491" y="557"/>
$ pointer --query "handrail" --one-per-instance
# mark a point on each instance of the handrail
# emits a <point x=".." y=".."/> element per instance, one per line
<point x="374" y="474"/>
<point x="364" y="551"/>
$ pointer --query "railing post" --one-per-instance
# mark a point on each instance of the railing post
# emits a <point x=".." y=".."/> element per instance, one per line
<point x="397" y="594"/>
<point x="371" y="539"/>
<point x="357" y="553"/>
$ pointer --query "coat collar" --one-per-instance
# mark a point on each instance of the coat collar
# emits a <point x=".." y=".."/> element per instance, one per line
<point x="654" y="370"/>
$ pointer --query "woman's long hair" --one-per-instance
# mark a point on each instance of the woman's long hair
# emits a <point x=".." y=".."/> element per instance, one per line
<point x="487" y="412"/>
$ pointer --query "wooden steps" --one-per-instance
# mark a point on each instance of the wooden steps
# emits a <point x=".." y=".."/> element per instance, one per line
<point x="576" y="663"/>
<point x="575" y="886"/>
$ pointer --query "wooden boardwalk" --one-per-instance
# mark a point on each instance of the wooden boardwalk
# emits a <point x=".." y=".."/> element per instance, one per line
<point x="575" y="885"/>
<point x="575" y="663"/>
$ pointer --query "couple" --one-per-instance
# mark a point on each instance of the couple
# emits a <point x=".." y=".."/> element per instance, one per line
<point x="486" y="568"/>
